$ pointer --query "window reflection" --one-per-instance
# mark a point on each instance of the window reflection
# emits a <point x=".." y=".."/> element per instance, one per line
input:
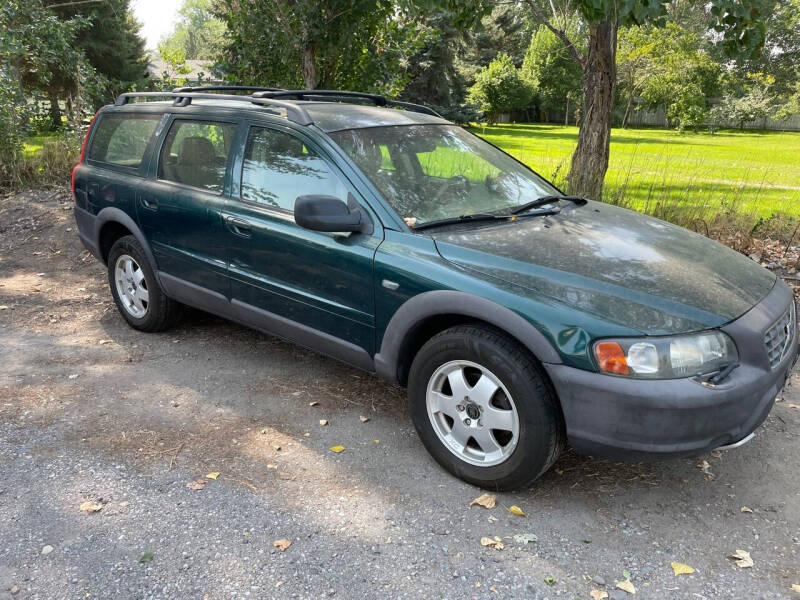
<point x="278" y="168"/>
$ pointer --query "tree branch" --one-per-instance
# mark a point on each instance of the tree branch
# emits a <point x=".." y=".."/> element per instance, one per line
<point x="559" y="33"/>
<point x="75" y="3"/>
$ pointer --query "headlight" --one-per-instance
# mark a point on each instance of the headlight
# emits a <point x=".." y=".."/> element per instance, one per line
<point x="666" y="357"/>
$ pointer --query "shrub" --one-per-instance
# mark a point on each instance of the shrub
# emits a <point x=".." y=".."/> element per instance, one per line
<point x="500" y="88"/>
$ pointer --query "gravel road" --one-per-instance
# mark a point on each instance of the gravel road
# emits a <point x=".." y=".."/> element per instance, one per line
<point x="93" y="411"/>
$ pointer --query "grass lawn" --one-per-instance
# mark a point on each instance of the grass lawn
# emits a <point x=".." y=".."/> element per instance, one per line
<point x="749" y="171"/>
<point x="33" y="145"/>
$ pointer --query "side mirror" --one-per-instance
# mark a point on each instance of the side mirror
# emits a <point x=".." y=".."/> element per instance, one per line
<point x="326" y="213"/>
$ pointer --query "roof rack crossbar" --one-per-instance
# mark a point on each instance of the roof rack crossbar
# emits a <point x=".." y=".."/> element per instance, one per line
<point x="343" y="95"/>
<point x="226" y="88"/>
<point x="296" y="114"/>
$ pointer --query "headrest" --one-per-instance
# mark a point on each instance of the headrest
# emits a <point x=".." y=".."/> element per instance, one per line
<point x="197" y="150"/>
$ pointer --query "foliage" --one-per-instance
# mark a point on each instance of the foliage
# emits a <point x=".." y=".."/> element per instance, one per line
<point x="792" y="105"/>
<point x="199" y="34"/>
<point x="500" y="88"/>
<point x="110" y="43"/>
<point x="175" y="59"/>
<point x="551" y="69"/>
<point x="757" y="102"/>
<point x="505" y="29"/>
<point x="353" y="44"/>
<point x="668" y="67"/>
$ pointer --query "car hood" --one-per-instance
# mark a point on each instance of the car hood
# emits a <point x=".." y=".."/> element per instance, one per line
<point x="615" y="264"/>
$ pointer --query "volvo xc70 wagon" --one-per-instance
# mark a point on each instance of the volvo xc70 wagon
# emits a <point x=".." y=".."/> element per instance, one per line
<point x="519" y="318"/>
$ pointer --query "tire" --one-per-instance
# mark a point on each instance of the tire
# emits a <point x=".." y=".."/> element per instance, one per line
<point x="485" y="358"/>
<point x="136" y="292"/>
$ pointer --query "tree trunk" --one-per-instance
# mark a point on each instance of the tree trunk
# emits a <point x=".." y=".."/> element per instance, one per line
<point x="628" y="108"/>
<point x="55" y="110"/>
<point x="590" y="160"/>
<point x="566" y="114"/>
<point x="310" y="67"/>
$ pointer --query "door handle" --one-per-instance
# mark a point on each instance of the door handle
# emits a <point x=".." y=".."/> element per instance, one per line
<point x="239" y="226"/>
<point x="149" y="203"/>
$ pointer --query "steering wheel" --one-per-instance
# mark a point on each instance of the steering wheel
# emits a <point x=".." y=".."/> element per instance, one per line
<point x="455" y="180"/>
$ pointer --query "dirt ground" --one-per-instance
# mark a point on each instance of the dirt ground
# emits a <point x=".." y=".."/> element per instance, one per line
<point x="91" y="410"/>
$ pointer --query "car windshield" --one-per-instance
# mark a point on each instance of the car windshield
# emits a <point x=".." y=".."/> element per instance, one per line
<point x="433" y="172"/>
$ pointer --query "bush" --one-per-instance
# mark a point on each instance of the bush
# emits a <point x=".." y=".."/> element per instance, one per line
<point x="50" y="165"/>
<point x="500" y="88"/>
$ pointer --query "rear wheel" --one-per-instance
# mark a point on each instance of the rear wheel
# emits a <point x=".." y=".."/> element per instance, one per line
<point x="136" y="292"/>
<point x="484" y="408"/>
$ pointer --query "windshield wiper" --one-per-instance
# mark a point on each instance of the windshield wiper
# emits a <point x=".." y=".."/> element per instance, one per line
<point x="546" y="200"/>
<point x="461" y="219"/>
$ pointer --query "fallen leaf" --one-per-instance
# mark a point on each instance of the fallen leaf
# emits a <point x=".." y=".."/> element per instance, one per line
<point x="314" y="403"/>
<point x="681" y="568"/>
<point x="47" y="549"/>
<point x="410" y="221"/>
<point x="197" y="484"/>
<point x="282" y="544"/>
<point x="746" y="509"/>
<point x="742" y="559"/>
<point x="493" y="589"/>
<point x="492" y="519"/>
<point x="146" y="557"/>
<point x="104" y="342"/>
<point x="525" y="538"/>
<point x="626" y="574"/>
<point x="494" y="542"/>
<point x="626" y="586"/>
<point x="485" y="500"/>
<point x="323" y="422"/>
<point x="550" y="581"/>
<point x="90" y="506"/>
<point x="706" y="469"/>
<point x="276" y="447"/>
<point x="516" y="510"/>
<point x="363" y="419"/>
<point x="376" y="441"/>
<point x="796" y="587"/>
<point x="212" y="475"/>
<point x="598" y="594"/>
<point x="337" y="449"/>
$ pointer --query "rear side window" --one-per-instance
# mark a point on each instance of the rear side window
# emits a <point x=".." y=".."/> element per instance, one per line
<point x="122" y="139"/>
<point x="196" y="153"/>
<point x="278" y="168"/>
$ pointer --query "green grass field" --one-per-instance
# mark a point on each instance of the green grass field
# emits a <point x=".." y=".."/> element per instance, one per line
<point x="746" y="172"/>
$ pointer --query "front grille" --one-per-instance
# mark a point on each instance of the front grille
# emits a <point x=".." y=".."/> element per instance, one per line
<point x="778" y="338"/>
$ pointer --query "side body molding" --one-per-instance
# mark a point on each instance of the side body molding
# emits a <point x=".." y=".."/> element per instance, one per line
<point x="112" y="213"/>
<point x="448" y="302"/>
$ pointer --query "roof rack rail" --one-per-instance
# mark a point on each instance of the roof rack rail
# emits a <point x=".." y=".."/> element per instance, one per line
<point x="296" y="114"/>
<point x="345" y="96"/>
<point x="226" y="88"/>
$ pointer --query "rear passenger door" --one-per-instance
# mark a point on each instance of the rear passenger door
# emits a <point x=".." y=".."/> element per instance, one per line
<point x="179" y="207"/>
<point x="322" y="281"/>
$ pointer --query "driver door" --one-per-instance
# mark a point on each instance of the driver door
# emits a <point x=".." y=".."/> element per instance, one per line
<point x="316" y="280"/>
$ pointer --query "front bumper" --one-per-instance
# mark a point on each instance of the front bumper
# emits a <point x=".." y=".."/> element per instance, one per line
<point x="636" y="419"/>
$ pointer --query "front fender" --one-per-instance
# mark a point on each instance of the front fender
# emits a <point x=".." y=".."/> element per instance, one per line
<point x="448" y="302"/>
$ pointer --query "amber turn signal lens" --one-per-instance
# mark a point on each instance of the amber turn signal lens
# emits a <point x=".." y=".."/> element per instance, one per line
<point x="611" y="358"/>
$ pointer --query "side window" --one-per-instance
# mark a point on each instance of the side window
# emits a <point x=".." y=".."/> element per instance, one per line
<point x="195" y="153"/>
<point x="278" y="168"/>
<point x="122" y="139"/>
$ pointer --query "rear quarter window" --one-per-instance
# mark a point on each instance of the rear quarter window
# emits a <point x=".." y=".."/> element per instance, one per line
<point x="122" y="139"/>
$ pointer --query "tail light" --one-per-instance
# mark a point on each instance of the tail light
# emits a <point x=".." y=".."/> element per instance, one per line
<point x="83" y="150"/>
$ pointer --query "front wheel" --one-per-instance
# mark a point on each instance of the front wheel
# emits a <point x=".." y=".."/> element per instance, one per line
<point x="484" y="408"/>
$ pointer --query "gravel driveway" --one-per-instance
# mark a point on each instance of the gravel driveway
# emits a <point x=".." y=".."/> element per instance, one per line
<point x="93" y="411"/>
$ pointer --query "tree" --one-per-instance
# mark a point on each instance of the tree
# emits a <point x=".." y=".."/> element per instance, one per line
<point x="792" y="105"/>
<point x="668" y="67"/>
<point x="757" y="102"/>
<point x="198" y="32"/>
<point x="552" y="71"/>
<point x="110" y="41"/>
<point x="737" y="24"/>
<point x="357" y="44"/>
<point x="500" y="88"/>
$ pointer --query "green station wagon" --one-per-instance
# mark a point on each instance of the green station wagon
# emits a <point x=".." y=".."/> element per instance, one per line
<point x="519" y="318"/>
